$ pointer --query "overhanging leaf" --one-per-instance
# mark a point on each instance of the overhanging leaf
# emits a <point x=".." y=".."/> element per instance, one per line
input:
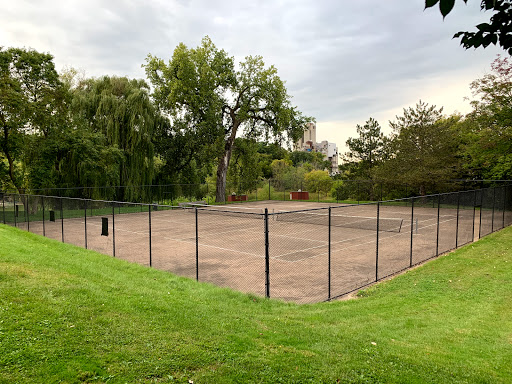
<point x="430" y="3"/>
<point x="446" y="6"/>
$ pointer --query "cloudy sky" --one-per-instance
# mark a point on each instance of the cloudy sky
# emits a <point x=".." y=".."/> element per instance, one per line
<point x="343" y="60"/>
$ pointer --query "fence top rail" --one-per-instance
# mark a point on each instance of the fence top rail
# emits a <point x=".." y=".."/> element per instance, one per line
<point x="92" y="200"/>
<point x="114" y="202"/>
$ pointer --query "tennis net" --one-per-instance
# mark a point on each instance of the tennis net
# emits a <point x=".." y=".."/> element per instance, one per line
<point x="243" y="212"/>
<point x="355" y="222"/>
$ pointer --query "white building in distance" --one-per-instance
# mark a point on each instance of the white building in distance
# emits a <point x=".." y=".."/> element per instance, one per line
<point x="307" y="143"/>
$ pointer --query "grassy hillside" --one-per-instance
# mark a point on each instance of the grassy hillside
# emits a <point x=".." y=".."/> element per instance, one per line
<point x="71" y="315"/>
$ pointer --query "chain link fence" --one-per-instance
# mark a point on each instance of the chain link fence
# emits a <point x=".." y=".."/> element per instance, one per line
<point x="305" y="256"/>
<point x="280" y="189"/>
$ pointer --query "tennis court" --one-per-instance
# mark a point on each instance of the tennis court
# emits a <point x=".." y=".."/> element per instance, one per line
<point x="298" y="251"/>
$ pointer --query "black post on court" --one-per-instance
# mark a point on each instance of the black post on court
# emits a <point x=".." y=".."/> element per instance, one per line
<point x="44" y="229"/>
<point x="412" y="230"/>
<point x="113" y="229"/>
<point x="197" y="245"/>
<point x="150" y="252"/>
<point x="62" y="218"/>
<point x="267" y="257"/>
<point x="437" y="229"/>
<point x="377" y="245"/>
<point x="457" y="227"/>
<point x="329" y="258"/>
<point x="85" y="223"/>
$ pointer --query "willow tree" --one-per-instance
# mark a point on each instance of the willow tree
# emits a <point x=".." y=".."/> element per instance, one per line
<point x="204" y="93"/>
<point x="121" y="110"/>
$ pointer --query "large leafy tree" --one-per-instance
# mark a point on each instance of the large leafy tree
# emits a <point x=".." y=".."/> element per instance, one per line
<point x="121" y="110"/>
<point x="488" y="143"/>
<point x="244" y="170"/>
<point x="365" y="151"/>
<point x="204" y="93"/>
<point x="498" y="31"/>
<point x="423" y="148"/>
<point x="31" y="102"/>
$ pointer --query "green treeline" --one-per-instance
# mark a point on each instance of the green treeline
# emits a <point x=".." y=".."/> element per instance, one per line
<point x="203" y="119"/>
<point x="428" y="147"/>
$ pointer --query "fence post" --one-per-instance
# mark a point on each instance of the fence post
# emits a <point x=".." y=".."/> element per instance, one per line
<point x="3" y="207"/>
<point x="267" y="257"/>
<point x="269" y="189"/>
<point x="412" y="230"/>
<point x="44" y="229"/>
<point x="481" y="207"/>
<point x="437" y="236"/>
<point x="150" y="251"/>
<point x="329" y="258"/>
<point x="27" y="213"/>
<point x="493" y="204"/>
<point x="62" y="218"/>
<point x="457" y="228"/>
<point x="113" y="229"/>
<point x="197" y="245"/>
<point x="504" y="204"/>
<point x="14" y="210"/>
<point x="474" y="216"/>
<point x="85" y="222"/>
<point x="377" y="245"/>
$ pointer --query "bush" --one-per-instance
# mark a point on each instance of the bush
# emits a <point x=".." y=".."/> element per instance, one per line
<point x="339" y="191"/>
<point x="318" y="181"/>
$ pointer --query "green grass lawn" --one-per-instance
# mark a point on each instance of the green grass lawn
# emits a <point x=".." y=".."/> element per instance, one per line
<point x="73" y="316"/>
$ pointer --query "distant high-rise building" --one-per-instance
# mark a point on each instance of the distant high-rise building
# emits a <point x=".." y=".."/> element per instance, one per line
<point x="307" y="143"/>
<point x="308" y="140"/>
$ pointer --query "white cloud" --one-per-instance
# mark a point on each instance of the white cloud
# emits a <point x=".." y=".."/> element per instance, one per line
<point x="342" y="61"/>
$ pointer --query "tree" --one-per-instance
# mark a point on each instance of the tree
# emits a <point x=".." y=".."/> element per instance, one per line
<point x="267" y="152"/>
<point x="122" y="111"/>
<point x="367" y="150"/>
<point x="30" y="103"/>
<point x="280" y="167"/>
<point x="318" y="181"/>
<point x="498" y="30"/>
<point x="488" y="128"/>
<point x="244" y="169"/>
<point x="423" y="148"/>
<point x="201" y="89"/>
<point x="315" y="159"/>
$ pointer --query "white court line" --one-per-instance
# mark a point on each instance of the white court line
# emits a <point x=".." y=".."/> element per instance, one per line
<point x="293" y="252"/>
<point x="345" y="248"/>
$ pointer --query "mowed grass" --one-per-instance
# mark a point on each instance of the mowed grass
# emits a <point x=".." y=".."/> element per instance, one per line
<point x="75" y="316"/>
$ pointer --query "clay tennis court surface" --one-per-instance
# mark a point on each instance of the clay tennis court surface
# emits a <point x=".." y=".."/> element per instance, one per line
<point x="231" y="249"/>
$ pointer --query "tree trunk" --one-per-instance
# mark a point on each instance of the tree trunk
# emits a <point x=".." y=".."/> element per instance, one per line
<point x="222" y="168"/>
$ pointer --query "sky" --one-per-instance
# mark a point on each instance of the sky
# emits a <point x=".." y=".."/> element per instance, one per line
<point x="343" y="61"/>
